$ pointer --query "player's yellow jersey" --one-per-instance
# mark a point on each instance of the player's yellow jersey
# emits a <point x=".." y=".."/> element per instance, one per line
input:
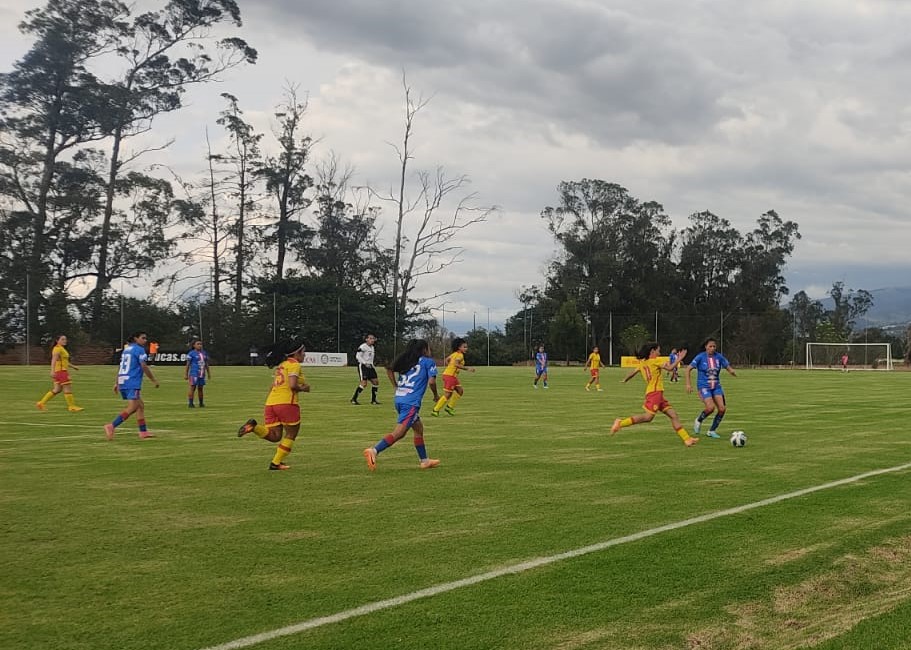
<point x="456" y="361"/>
<point x="63" y="358"/>
<point x="281" y="392"/>
<point x="594" y="360"/>
<point x="651" y="371"/>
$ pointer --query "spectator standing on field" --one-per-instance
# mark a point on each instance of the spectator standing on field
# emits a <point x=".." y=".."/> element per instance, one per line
<point x="366" y="371"/>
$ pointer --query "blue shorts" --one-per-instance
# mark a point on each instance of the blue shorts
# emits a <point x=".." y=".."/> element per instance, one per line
<point x="540" y="371"/>
<point x="197" y="381"/>
<point x="706" y="392"/>
<point x="408" y="414"/>
<point x="129" y="393"/>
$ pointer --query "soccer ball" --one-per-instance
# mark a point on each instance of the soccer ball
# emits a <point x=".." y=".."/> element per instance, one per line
<point x="738" y="438"/>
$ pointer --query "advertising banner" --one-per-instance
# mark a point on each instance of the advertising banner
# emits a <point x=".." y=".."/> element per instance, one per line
<point x="325" y="359"/>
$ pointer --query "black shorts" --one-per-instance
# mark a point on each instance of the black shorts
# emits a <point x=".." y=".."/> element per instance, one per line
<point x="366" y="373"/>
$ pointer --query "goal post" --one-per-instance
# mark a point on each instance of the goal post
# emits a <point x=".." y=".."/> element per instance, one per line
<point x="861" y="356"/>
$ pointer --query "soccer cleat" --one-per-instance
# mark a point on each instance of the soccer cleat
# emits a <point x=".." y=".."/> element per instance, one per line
<point x="191" y="405"/>
<point x="109" y="431"/>
<point x="697" y="424"/>
<point x="712" y="434"/>
<point x="201" y="405"/>
<point x="587" y="389"/>
<point x="536" y="386"/>
<point x="75" y="409"/>
<point x="430" y="463"/>
<point x="615" y="427"/>
<point x="276" y="468"/>
<point x="375" y="402"/>
<point x="545" y="385"/>
<point x="434" y="413"/>
<point x="450" y="410"/>
<point x="689" y="442"/>
<point x="146" y="434"/>
<point x="246" y="428"/>
<point x="40" y="406"/>
<point x="355" y="402"/>
<point x="600" y="390"/>
<point x="370" y="455"/>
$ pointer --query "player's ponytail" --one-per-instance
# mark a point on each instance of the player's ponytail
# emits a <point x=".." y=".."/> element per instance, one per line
<point x="414" y="350"/>
<point x="278" y="352"/>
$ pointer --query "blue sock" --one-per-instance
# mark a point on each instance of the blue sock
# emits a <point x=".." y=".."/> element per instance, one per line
<point x="117" y="421"/>
<point x="718" y="418"/>
<point x="420" y="448"/>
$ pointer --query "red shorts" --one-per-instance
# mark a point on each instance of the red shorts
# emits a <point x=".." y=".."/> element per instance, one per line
<point x="595" y="372"/>
<point x="655" y="402"/>
<point x="450" y="382"/>
<point x="275" y="414"/>
<point x="62" y="377"/>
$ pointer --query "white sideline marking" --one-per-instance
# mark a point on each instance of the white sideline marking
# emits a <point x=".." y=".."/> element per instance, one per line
<point x="370" y="608"/>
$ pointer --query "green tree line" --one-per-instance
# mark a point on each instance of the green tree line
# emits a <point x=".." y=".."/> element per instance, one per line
<point x="266" y="241"/>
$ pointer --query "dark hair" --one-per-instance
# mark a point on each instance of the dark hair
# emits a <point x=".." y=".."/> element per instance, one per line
<point x="57" y="339"/>
<point x="707" y="341"/>
<point x="414" y="350"/>
<point x="136" y="335"/>
<point x="646" y="349"/>
<point x="278" y="352"/>
<point x="457" y="343"/>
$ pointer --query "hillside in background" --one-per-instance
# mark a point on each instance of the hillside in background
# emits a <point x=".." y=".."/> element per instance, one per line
<point x="891" y="309"/>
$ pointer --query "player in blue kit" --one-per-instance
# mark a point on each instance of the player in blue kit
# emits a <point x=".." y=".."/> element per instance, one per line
<point x="197" y="372"/>
<point x="417" y="370"/>
<point x="708" y="365"/>
<point x="129" y="384"/>
<point x="541" y="366"/>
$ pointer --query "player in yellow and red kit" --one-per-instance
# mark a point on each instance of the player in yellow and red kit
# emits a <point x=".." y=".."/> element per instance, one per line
<point x="282" y="412"/>
<point x="452" y="387"/>
<point x="60" y="366"/>
<point x="651" y="367"/>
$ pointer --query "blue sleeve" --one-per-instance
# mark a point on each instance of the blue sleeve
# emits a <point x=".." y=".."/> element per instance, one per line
<point x="430" y="365"/>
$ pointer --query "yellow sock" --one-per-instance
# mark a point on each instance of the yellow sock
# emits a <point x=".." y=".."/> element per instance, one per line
<point x="261" y="430"/>
<point x="47" y="397"/>
<point x="684" y="436"/>
<point x="452" y="400"/>
<point x="440" y="404"/>
<point x="70" y="400"/>
<point x="626" y="422"/>
<point x="284" y="448"/>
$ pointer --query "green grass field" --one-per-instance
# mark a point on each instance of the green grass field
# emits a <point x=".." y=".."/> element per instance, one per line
<point x="185" y="541"/>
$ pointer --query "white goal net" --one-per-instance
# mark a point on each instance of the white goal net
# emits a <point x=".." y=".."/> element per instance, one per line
<point x="849" y="356"/>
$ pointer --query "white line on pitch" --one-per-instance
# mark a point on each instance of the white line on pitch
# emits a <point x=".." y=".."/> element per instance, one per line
<point x="379" y="605"/>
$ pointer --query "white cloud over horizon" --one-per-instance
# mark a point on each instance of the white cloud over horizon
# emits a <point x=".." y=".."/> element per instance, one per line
<point x="736" y="108"/>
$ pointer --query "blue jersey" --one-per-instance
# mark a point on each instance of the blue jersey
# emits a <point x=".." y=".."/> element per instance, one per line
<point x="413" y="384"/>
<point x="709" y="369"/>
<point x="672" y="358"/>
<point x="199" y="361"/>
<point x="129" y="375"/>
<point x="541" y="360"/>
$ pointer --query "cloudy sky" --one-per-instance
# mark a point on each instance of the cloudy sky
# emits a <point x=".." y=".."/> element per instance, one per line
<point x="733" y="107"/>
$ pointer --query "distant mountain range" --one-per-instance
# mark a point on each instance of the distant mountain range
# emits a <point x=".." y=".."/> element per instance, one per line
<point x="891" y="308"/>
